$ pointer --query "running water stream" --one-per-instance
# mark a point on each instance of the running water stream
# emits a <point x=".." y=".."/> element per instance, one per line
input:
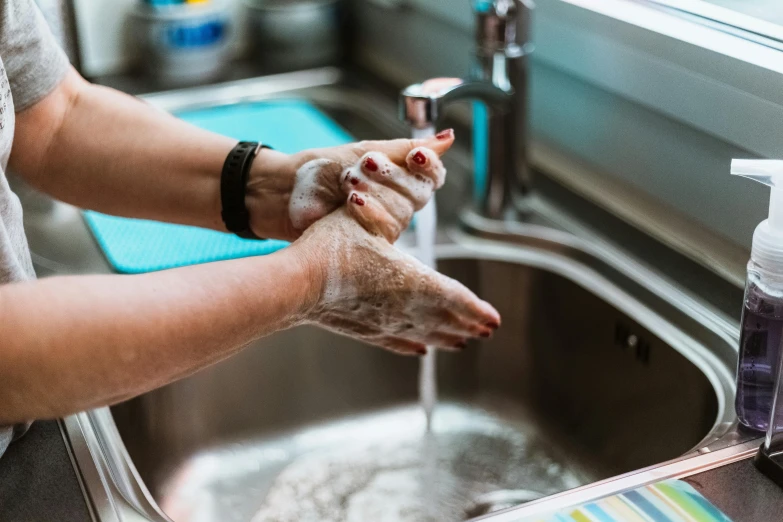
<point x="426" y="226"/>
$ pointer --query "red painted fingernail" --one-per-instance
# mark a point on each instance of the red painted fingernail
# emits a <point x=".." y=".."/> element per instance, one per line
<point x="371" y="165"/>
<point x="461" y="346"/>
<point x="421" y="351"/>
<point x="493" y="324"/>
<point x="485" y="335"/>
<point x="446" y="134"/>
<point x="354" y="181"/>
<point x="356" y="199"/>
<point x="420" y="158"/>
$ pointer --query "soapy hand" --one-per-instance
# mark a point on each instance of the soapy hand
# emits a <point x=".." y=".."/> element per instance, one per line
<point x="368" y="289"/>
<point x="364" y="286"/>
<point x="288" y="193"/>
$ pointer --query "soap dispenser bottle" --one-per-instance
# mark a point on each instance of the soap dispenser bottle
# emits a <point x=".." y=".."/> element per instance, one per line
<point x="769" y="458"/>
<point x="762" y="314"/>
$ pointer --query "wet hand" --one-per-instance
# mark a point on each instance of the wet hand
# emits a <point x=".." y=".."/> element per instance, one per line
<point x="288" y="193"/>
<point x="364" y="287"/>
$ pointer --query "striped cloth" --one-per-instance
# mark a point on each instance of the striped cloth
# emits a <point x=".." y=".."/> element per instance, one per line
<point x="669" y="501"/>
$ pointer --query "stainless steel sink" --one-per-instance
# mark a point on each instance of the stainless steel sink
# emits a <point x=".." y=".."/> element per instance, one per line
<point x="306" y="425"/>
<point x="603" y="367"/>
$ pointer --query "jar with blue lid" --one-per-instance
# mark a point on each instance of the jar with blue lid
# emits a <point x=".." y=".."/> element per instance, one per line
<point x="182" y="42"/>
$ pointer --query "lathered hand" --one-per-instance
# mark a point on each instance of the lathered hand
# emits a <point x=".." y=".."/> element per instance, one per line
<point x="370" y="290"/>
<point x="288" y="193"/>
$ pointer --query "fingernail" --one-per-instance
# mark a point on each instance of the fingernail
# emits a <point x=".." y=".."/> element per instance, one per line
<point x="485" y="335"/>
<point x="370" y="165"/>
<point x="461" y="346"/>
<point x="446" y="134"/>
<point x="422" y="351"/>
<point x="420" y="158"/>
<point x="493" y="324"/>
<point x="354" y="181"/>
<point x="357" y="200"/>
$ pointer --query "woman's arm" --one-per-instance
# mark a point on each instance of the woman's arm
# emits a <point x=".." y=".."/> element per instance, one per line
<point x="72" y="343"/>
<point x="100" y="149"/>
<point x="97" y="148"/>
<point x="68" y="344"/>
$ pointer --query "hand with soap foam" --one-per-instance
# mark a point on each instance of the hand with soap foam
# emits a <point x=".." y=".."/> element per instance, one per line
<point x="288" y="193"/>
<point x="364" y="287"/>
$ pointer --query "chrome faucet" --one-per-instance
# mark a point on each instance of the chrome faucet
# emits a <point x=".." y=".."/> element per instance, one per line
<point x="499" y="80"/>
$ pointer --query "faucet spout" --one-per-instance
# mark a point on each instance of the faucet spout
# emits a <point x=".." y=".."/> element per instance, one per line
<point x="499" y="81"/>
<point x="421" y="104"/>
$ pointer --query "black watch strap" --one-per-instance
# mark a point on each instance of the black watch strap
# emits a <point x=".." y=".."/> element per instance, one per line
<point x="233" y="184"/>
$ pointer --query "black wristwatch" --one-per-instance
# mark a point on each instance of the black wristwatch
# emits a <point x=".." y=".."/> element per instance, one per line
<point x="233" y="185"/>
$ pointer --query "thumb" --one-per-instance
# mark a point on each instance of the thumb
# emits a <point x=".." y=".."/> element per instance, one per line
<point x="398" y="150"/>
<point x="374" y="217"/>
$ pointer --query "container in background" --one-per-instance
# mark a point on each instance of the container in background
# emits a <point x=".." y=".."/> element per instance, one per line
<point x="158" y="3"/>
<point x="286" y="35"/>
<point x="184" y="43"/>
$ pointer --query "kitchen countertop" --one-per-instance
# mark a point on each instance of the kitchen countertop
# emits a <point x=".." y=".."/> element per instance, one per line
<point x="741" y="492"/>
<point x="38" y="481"/>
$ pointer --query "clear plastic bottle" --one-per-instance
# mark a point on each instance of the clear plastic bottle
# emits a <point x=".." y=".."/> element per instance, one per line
<point x="762" y="329"/>
<point x="762" y="313"/>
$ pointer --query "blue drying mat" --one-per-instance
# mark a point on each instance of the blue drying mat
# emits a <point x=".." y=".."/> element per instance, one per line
<point x="135" y="246"/>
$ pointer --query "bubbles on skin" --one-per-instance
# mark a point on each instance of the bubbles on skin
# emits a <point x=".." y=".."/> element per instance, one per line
<point x="306" y="203"/>
<point x="396" y="293"/>
<point x="372" y="171"/>
<point x="368" y="281"/>
<point x="417" y="187"/>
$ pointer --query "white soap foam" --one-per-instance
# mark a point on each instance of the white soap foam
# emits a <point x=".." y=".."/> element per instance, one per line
<point x="312" y="199"/>
<point x="307" y="197"/>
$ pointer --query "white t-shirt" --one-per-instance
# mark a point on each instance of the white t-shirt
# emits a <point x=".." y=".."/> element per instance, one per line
<point x="31" y="66"/>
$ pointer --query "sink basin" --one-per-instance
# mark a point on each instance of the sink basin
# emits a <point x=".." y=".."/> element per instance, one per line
<point x="307" y="425"/>
<point x="602" y="367"/>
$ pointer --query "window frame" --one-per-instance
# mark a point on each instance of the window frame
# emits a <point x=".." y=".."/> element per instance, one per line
<point x="724" y="79"/>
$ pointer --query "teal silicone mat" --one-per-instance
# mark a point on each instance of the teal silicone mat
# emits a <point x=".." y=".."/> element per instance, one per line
<point x="668" y="501"/>
<point x="135" y="246"/>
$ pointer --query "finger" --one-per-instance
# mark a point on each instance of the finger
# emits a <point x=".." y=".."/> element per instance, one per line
<point x="466" y="303"/>
<point x="401" y="346"/>
<point x="373" y="216"/>
<point x="354" y="179"/>
<point x="377" y="166"/>
<point x="397" y="206"/>
<point x="422" y="161"/>
<point x="446" y="341"/>
<point x="398" y="150"/>
<point x="456" y="324"/>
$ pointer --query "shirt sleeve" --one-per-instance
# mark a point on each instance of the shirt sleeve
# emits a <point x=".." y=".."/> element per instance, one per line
<point x="34" y="63"/>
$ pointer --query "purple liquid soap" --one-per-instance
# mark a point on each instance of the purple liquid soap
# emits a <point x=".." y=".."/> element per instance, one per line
<point x="762" y="325"/>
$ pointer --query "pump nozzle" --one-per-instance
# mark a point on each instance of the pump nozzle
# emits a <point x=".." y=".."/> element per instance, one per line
<point x="767" y="249"/>
<point x="770" y="173"/>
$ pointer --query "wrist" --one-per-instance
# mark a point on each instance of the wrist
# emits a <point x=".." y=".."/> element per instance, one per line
<point x="310" y="278"/>
<point x="268" y="192"/>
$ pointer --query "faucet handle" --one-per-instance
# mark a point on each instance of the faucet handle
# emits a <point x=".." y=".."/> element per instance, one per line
<point x="502" y="25"/>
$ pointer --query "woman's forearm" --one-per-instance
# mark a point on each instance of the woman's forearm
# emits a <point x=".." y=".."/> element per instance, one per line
<point x="100" y="149"/>
<point x="73" y="343"/>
